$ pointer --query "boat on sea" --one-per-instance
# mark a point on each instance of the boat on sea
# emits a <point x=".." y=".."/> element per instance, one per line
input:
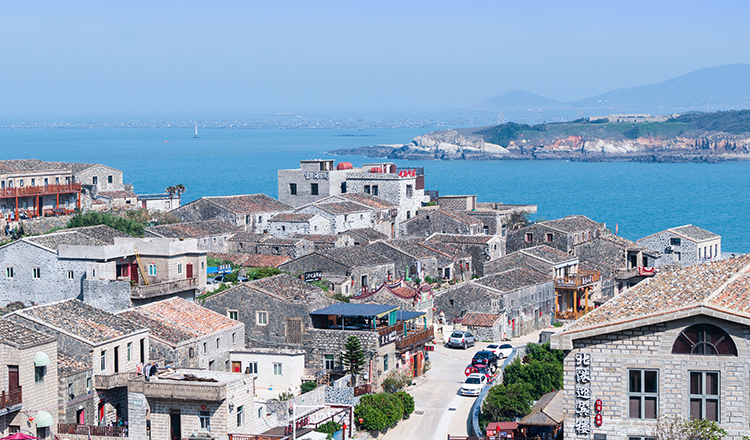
<point x="196" y="133"/>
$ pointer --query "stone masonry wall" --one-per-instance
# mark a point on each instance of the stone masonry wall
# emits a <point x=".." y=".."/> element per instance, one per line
<point x="108" y="295"/>
<point x="81" y="396"/>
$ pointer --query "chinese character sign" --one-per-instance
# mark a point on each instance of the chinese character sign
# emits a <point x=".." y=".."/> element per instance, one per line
<point x="582" y="425"/>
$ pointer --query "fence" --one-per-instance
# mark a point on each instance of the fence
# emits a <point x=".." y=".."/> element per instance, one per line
<point x="96" y="431"/>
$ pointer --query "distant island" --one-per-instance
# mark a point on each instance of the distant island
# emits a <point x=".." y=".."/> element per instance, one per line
<point x="692" y="137"/>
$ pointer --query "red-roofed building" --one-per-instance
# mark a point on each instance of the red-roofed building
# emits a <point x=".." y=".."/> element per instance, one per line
<point x="485" y="326"/>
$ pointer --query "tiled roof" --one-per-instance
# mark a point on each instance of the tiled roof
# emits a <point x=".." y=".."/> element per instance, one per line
<point x="446" y="249"/>
<point x="573" y="223"/>
<point x="461" y="239"/>
<point x="513" y="279"/>
<point x="249" y="237"/>
<point x="480" y="319"/>
<point x="549" y="410"/>
<point x="172" y="334"/>
<point x="101" y="235"/>
<point x="275" y="241"/>
<point x="20" y="336"/>
<point x="620" y="241"/>
<point x="460" y="216"/>
<point x="412" y="248"/>
<point x="369" y="200"/>
<point x="354" y="256"/>
<point x="319" y="238"/>
<point x="401" y="290"/>
<point x="68" y="366"/>
<point x="291" y="218"/>
<point x="235" y="258"/>
<point x="694" y="233"/>
<point x="259" y="260"/>
<point x="337" y="208"/>
<point x="285" y="286"/>
<point x="678" y="289"/>
<point x="82" y="320"/>
<point x="548" y="254"/>
<point x="180" y="318"/>
<point x="250" y="203"/>
<point x="193" y="229"/>
<point x="20" y="165"/>
<point x="367" y="233"/>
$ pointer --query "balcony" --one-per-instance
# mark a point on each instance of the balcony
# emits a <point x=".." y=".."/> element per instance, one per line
<point x="165" y="288"/>
<point x="187" y="391"/>
<point x="577" y="280"/>
<point x="87" y="430"/>
<point x="34" y="190"/>
<point x="415" y="338"/>
<point x="113" y="380"/>
<point x="624" y="274"/>
<point x="10" y="398"/>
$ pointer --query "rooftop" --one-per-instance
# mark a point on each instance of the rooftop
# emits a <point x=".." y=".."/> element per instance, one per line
<point x="249" y="237"/>
<point x="338" y="208"/>
<point x="291" y="218"/>
<point x="284" y="286"/>
<point x="82" y="320"/>
<point x="260" y="260"/>
<point x="459" y="216"/>
<point x="192" y="229"/>
<point x="461" y="239"/>
<point x="694" y="233"/>
<point x="351" y="309"/>
<point x="369" y="200"/>
<point x="573" y="223"/>
<point x="480" y="319"/>
<point x="548" y="254"/>
<point x="20" y="336"/>
<point x="721" y="284"/>
<point x="101" y="235"/>
<point x="319" y="238"/>
<point x="235" y="258"/>
<point x="367" y="233"/>
<point x="513" y="279"/>
<point x="68" y="366"/>
<point x="30" y="165"/>
<point x="354" y="256"/>
<point x="115" y="194"/>
<point x="249" y="203"/>
<point x="547" y="411"/>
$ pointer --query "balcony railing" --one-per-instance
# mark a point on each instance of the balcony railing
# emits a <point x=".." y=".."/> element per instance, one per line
<point x="576" y="280"/>
<point x="421" y="337"/>
<point x="109" y="381"/>
<point x="35" y="190"/>
<point x="10" y="398"/>
<point x="97" y="431"/>
<point x="190" y="391"/>
<point x="164" y="288"/>
<point x="623" y="274"/>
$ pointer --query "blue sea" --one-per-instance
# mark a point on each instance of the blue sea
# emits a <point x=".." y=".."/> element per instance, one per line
<point x="640" y="198"/>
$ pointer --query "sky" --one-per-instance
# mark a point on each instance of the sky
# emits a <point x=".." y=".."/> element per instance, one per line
<point x="162" y="60"/>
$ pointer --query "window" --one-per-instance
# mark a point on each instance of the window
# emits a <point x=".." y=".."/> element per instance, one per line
<point x="643" y="388"/>
<point x="374" y="190"/>
<point x="71" y="394"/>
<point x="39" y="373"/>
<point x="252" y="367"/>
<point x="367" y="189"/>
<point x="103" y="360"/>
<point x="704" y="339"/>
<point x="33" y="182"/>
<point x="261" y="318"/>
<point x="36" y="272"/>
<point x="179" y="267"/>
<point x="385" y="362"/>
<point x="529" y="237"/>
<point x="675" y="241"/>
<point x="152" y="269"/>
<point x="20" y="183"/>
<point x="88" y="384"/>
<point x="217" y="343"/>
<point x="233" y="314"/>
<point x="130" y="351"/>
<point x="346" y="217"/>
<point x="328" y="362"/>
<point x="191" y="352"/>
<point x="548" y="238"/>
<point x="409" y="191"/>
<point x="9" y="272"/>
<point x="109" y="179"/>
<point x="70" y="274"/>
<point x="205" y="347"/>
<point x="450" y="302"/>
<point x="234" y="338"/>
<point x="704" y="395"/>
<point x="240" y="415"/>
<point x="408" y="215"/>
<point x="205" y="419"/>
<point x="504" y="230"/>
<point x="677" y="256"/>
<point x="276" y="369"/>
<point x="314" y="189"/>
<point x="293" y="189"/>
<point x="343" y="187"/>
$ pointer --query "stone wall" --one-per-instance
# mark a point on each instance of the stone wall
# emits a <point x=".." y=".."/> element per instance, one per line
<point x="376" y="275"/>
<point x="494" y="333"/>
<point x="402" y="261"/>
<point x="436" y="222"/>
<point x="108" y="295"/>
<point x="102" y="173"/>
<point x="42" y="225"/>
<point x="202" y="209"/>
<point x="83" y="397"/>
<point x="316" y="225"/>
<point x="467" y="297"/>
<point x="685" y="254"/>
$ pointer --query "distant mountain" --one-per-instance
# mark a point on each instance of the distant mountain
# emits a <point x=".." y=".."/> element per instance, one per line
<point x="710" y="89"/>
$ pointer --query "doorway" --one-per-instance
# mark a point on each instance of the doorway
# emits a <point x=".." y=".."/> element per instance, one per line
<point x="236" y="367"/>
<point x="189" y="270"/>
<point x="81" y="417"/>
<point x="174" y="423"/>
<point x="117" y="359"/>
<point x="13" y="384"/>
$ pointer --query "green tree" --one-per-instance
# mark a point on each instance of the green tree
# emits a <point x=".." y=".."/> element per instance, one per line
<point x="353" y="357"/>
<point x="506" y="403"/>
<point x="542" y="368"/>
<point x="306" y="387"/>
<point x="128" y="226"/>
<point x="677" y="428"/>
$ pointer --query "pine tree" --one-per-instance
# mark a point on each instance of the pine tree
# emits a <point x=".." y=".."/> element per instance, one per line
<point x="353" y="357"/>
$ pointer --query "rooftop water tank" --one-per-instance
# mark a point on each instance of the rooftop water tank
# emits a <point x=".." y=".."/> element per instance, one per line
<point x="376" y="170"/>
<point x="344" y="166"/>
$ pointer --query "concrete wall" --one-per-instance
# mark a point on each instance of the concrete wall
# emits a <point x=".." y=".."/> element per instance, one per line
<point x="108" y="295"/>
<point x="292" y="369"/>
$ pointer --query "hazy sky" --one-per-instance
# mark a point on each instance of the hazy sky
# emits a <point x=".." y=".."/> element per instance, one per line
<point x="102" y="60"/>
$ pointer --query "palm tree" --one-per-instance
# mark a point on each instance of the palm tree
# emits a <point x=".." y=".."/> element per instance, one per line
<point x="179" y="189"/>
<point x="171" y="190"/>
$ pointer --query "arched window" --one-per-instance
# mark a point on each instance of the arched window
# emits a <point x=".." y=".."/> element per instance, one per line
<point x="705" y="339"/>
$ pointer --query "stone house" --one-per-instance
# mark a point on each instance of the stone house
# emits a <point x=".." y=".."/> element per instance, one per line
<point x="683" y="245"/>
<point x="484" y="326"/>
<point x="114" y="199"/>
<point x="110" y="343"/>
<point x="277" y="370"/>
<point x="411" y="260"/>
<point x="525" y="298"/>
<point x="274" y="310"/>
<point x="385" y="212"/>
<point x="266" y="244"/>
<point x="76" y="399"/>
<point x="341" y="214"/>
<point x="186" y="335"/>
<point x="314" y="180"/>
<point x="441" y="221"/>
<point x="97" y="177"/>
<point x="251" y="260"/>
<point x="250" y="212"/>
<point x="562" y="234"/>
<point x="367" y="269"/>
<point x="212" y="235"/>
<point x="321" y="242"/>
<point x="621" y="262"/>
<point x="365" y="236"/>
<point x="676" y="345"/>
<point x="458" y="203"/>
<point x="245" y="242"/>
<point x="159" y="202"/>
<point x="495" y="216"/>
<point x="482" y="248"/>
<point x="287" y="225"/>
<point x="402" y="294"/>
<point x="28" y="374"/>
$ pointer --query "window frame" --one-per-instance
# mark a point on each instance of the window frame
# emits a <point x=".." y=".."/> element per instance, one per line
<point x="204" y="417"/>
<point x="233" y="314"/>
<point x="261" y="317"/>
<point x="703" y="397"/>
<point x="103" y="360"/>
<point x="314" y="189"/>
<point x="292" y="189"/>
<point x="642" y="394"/>
<point x="240" y="415"/>
<point x="278" y="369"/>
<point x="329" y="363"/>
<point x="9" y="272"/>
<point x="36" y="272"/>
<point x="152" y="273"/>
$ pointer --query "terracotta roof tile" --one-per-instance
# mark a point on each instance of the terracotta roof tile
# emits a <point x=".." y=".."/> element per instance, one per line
<point x="20" y="336"/>
<point x="68" y="366"/>
<point x="187" y="316"/>
<point x="480" y="319"/>
<point x="193" y="229"/>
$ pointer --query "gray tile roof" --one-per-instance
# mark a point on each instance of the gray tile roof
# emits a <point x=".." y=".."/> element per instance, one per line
<point x="548" y="254"/>
<point x="20" y="336"/>
<point x="694" y="233"/>
<point x="249" y="203"/>
<point x="573" y="223"/>
<point x="354" y="256"/>
<point x="291" y="218"/>
<point x="68" y="366"/>
<point x="367" y="233"/>
<point x="82" y="320"/>
<point x="100" y="235"/>
<point x="369" y="200"/>
<point x="461" y="239"/>
<point x="249" y="237"/>
<point x="284" y="286"/>
<point x="192" y="229"/>
<point x="337" y="208"/>
<point x="513" y="279"/>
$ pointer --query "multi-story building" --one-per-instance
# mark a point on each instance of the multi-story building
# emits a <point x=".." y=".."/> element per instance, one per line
<point x="683" y="245"/>
<point x="32" y="188"/>
<point x="250" y="212"/>
<point x="562" y="234"/>
<point x="482" y="248"/>
<point x="212" y="235"/>
<point x="441" y="221"/>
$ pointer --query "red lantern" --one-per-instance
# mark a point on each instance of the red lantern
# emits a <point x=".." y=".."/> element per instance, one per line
<point x="361" y="420"/>
<point x="343" y="427"/>
<point x="598" y="420"/>
<point x="598" y="405"/>
<point x="203" y="407"/>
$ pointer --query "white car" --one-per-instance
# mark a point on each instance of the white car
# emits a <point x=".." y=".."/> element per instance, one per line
<point x="502" y="351"/>
<point x="473" y="384"/>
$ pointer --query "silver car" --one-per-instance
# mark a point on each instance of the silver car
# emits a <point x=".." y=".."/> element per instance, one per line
<point x="461" y="339"/>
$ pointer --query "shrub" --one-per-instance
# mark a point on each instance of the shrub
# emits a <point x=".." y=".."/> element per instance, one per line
<point x="379" y="411"/>
<point x="372" y="418"/>
<point x="329" y="427"/>
<point x="284" y="396"/>
<point x="262" y="272"/>
<point x="340" y="297"/>
<point x="306" y="387"/>
<point x="407" y="401"/>
<point x="130" y="227"/>
<point x="395" y="382"/>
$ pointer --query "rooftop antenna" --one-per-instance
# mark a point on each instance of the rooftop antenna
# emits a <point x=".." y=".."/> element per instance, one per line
<point x="196" y="133"/>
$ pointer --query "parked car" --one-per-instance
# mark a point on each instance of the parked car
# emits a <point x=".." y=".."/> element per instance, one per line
<point x="481" y="369"/>
<point x="505" y="351"/>
<point x="485" y="357"/>
<point x="461" y="339"/>
<point x="473" y="384"/>
<point x="221" y="279"/>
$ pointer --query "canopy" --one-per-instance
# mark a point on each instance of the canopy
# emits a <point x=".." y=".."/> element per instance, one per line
<point x="41" y="359"/>
<point x="19" y="436"/>
<point x="43" y="419"/>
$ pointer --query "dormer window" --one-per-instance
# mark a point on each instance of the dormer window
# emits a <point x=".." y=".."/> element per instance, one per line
<point x="704" y="339"/>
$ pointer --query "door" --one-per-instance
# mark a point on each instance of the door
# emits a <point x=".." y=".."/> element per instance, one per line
<point x="189" y="270"/>
<point x="80" y="417"/>
<point x="117" y="359"/>
<point x="13" y="384"/>
<point x="134" y="271"/>
<point x="236" y="367"/>
<point x="174" y="422"/>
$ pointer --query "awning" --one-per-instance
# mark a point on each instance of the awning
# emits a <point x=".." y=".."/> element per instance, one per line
<point x="41" y="359"/>
<point x="43" y="419"/>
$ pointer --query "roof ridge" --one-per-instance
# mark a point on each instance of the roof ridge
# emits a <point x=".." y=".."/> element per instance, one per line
<point x="740" y="273"/>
